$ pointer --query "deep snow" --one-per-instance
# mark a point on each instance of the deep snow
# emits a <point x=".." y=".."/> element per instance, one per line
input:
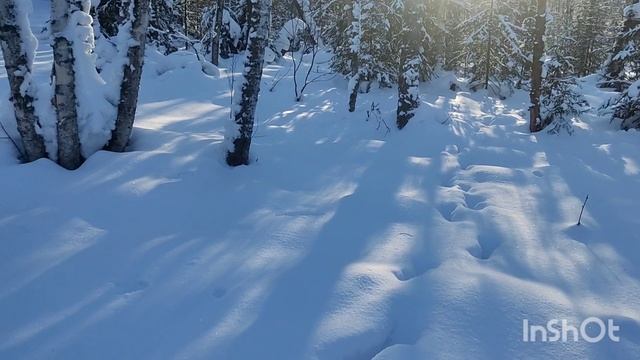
<point x="340" y="241"/>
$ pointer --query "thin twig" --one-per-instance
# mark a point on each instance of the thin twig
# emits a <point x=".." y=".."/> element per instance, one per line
<point x="581" y="211"/>
<point x="12" y="141"/>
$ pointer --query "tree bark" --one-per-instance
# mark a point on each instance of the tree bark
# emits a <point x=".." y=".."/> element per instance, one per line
<point x="138" y="11"/>
<point x="64" y="98"/>
<point x="535" y="123"/>
<point x="18" y="60"/>
<point x="247" y="97"/>
<point x="408" y="82"/>
<point x="247" y="11"/>
<point x="215" y="42"/>
<point x="488" y="50"/>
<point x="303" y="12"/>
<point x="354" y="86"/>
<point x="409" y="76"/>
<point x="356" y="74"/>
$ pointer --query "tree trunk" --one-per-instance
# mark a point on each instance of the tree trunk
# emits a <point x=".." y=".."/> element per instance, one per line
<point x="354" y="86"/>
<point x="215" y="42"/>
<point x="487" y="60"/>
<point x="410" y="40"/>
<point x="356" y="74"/>
<point x="247" y="96"/>
<point x="138" y="11"/>
<point x="303" y="12"/>
<point x="535" y="123"/>
<point x="248" y="10"/>
<point x="408" y="82"/>
<point x="18" y="60"/>
<point x="64" y="98"/>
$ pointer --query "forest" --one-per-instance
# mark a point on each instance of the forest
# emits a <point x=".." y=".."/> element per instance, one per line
<point x="319" y="179"/>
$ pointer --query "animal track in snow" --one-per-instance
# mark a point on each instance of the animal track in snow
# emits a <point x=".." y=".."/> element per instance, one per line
<point x="486" y="247"/>
<point x="447" y="210"/>
<point x="475" y="202"/>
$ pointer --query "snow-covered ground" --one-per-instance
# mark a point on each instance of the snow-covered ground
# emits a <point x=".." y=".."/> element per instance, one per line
<point x="340" y="241"/>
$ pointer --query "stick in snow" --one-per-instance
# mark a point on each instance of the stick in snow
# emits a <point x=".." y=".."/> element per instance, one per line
<point x="581" y="211"/>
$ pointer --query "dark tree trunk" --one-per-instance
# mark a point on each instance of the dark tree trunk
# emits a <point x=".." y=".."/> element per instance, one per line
<point x="217" y="27"/>
<point x="64" y="99"/>
<point x="409" y="73"/>
<point x="139" y="11"/>
<point x="356" y="75"/>
<point x="248" y="5"/>
<point x="247" y="96"/>
<point x="408" y="82"/>
<point x="18" y="65"/>
<point x="535" y="123"/>
<point x="487" y="59"/>
<point x="354" y="86"/>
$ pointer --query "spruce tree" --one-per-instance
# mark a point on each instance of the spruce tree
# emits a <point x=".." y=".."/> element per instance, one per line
<point x="626" y="107"/>
<point x="492" y="46"/>
<point x="560" y="102"/>
<point x="620" y="70"/>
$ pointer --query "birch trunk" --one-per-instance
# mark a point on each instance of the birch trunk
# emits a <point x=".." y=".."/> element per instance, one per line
<point x="535" y="122"/>
<point x="64" y="98"/>
<point x="138" y="13"/>
<point x="247" y="96"/>
<point x="18" y="59"/>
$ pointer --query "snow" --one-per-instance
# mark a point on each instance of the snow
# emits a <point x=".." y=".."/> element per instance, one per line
<point x="338" y="241"/>
<point x="23" y="10"/>
<point x="632" y="11"/>
<point x="634" y="89"/>
<point x="289" y="31"/>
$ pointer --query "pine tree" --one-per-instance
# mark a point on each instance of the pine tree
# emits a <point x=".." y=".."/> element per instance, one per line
<point x="18" y="48"/>
<point x="246" y="97"/>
